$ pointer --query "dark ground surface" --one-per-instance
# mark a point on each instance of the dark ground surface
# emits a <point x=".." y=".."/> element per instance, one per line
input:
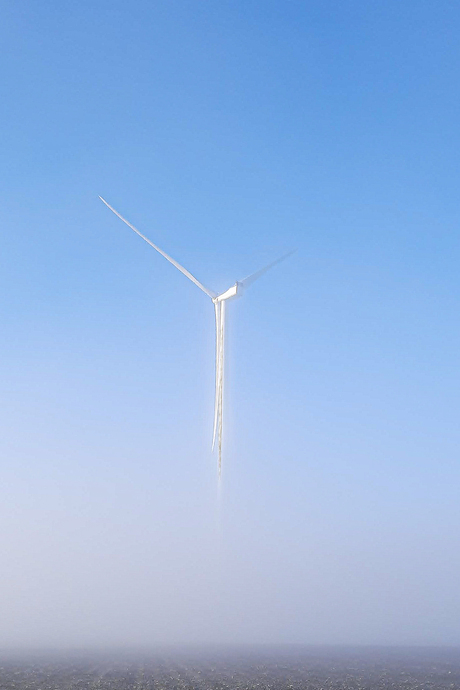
<point x="308" y="668"/>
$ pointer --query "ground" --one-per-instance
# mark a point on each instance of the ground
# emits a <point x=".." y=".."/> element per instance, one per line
<point x="299" y="668"/>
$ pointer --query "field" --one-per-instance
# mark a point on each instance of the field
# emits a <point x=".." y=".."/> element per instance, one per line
<point x="254" y="668"/>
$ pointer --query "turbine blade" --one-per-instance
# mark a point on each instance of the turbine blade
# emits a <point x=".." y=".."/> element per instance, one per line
<point x="250" y="279"/>
<point x="216" y="399"/>
<point x="221" y="385"/>
<point x="166" y="256"/>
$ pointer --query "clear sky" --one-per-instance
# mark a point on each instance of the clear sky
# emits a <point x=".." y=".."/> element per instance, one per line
<point x="230" y="132"/>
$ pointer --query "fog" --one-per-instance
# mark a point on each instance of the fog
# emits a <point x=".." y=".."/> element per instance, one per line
<point x="336" y="521"/>
<point x="126" y="555"/>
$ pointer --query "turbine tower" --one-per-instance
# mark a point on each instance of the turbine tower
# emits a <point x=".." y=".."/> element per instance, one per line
<point x="219" y="308"/>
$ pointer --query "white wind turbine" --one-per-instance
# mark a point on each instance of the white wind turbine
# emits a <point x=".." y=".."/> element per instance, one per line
<point x="219" y="307"/>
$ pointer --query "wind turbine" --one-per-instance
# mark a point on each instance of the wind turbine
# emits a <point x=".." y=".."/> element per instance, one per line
<point x="219" y="308"/>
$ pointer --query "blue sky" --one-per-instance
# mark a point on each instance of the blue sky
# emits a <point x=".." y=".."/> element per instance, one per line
<point x="229" y="133"/>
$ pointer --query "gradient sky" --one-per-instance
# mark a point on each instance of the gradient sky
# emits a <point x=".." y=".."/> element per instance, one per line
<point x="229" y="133"/>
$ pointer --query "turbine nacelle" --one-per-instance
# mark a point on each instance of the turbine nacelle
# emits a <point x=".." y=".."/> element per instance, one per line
<point x="228" y="294"/>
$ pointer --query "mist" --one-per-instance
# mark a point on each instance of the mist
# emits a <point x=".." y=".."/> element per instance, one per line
<point x="146" y="556"/>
